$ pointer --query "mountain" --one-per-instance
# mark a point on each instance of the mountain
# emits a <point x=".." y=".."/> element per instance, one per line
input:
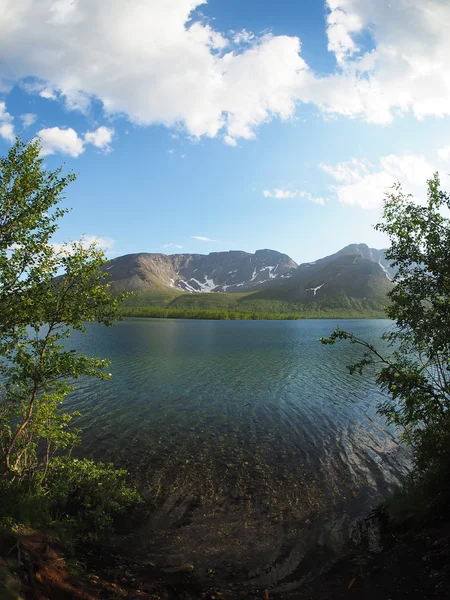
<point x="355" y="278"/>
<point x="371" y="254"/>
<point x="232" y="271"/>
<point x="350" y="274"/>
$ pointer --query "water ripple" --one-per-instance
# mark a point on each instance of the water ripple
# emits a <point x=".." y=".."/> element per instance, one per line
<point x="251" y="441"/>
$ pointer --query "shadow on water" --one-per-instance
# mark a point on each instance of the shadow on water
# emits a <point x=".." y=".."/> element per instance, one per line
<point x="254" y="448"/>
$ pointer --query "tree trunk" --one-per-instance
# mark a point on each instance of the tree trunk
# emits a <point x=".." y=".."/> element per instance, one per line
<point x="20" y="429"/>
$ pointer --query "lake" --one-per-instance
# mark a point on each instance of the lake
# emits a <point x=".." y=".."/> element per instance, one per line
<point x="254" y="447"/>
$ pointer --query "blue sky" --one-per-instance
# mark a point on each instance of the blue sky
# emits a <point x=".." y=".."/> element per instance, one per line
<point x="250" y="124"/>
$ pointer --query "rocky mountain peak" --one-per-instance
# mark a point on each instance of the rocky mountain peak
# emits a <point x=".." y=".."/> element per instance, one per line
<point x="233" y="271"/>
<point x="238" y="271"/>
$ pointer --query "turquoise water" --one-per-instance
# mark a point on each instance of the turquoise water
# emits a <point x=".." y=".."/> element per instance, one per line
<point x="251" y="442"/>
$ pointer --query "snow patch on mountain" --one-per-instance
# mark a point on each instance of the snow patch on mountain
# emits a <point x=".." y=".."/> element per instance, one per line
<point x="316" y="289"/>
<point x="271" y="270"/>
<point x="386" y="272"/>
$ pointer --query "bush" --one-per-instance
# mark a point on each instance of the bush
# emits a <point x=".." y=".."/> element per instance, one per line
<point x="80" y="498"/>
<point x="88" y="494"/>
<point x="415" y="371"/>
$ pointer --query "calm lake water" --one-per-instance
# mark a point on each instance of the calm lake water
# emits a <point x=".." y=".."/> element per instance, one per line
<point x="254" y="447"/>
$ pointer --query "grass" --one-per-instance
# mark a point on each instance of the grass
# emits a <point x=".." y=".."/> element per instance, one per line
<point x="213" y="301"/>
<point x="173" y="304"/>
<point x="245" y="306"/>
<point x="159" y="299"/>
<point x="217" y="315"/>
<point x="257" y="305"/>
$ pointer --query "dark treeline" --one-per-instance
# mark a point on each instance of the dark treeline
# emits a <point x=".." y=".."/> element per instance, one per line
<point x="155" y="312"/>
<point x="218" y="315"/>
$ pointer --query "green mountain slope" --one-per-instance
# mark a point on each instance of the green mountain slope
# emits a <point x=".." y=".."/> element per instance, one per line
<point x="351" y="283"/>
<point x="342" y="280"/>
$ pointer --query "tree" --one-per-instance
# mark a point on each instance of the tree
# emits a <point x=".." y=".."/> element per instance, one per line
<point x="416" y="372"/>
<point x="46" y="291"/>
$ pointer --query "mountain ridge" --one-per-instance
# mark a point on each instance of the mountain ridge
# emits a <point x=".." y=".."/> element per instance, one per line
<point x="203" y="273"/>
<point x="355" y="276"/>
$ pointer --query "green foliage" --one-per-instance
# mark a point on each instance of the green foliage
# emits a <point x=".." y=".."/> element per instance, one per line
<point x="416" y="373"/>
<point x="216" y="301"/>
<point x="219" y="315"/>
<point x="425" y="496"/>
<point x="29" y="211"/>
<point x="223" y="306"/>
<point x="93" y="492"/>
<point x="38" y="310"/>
<point x="86" y="495"/>
<point x="255" y="303"/>
<point x="81" y="498"/>
<point x="155" y="299"/>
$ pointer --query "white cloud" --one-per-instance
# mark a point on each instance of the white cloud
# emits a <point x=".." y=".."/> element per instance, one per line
<point x="172" y="246"/>
<point x="444" y="153"/>
<point x="150" y="62"/>
<point x="7" y="131"/>
<point x="279" y="194"/>
<point x="360" y="183"/>
<point x="201" y="238"/>
<point x="100" y="138"/>
<point x="41" y="88"/>
<point x="243" y="37"/>
<point x="285" y="194"/>
<point x="407" y="68"/>
<point x="105" y="243"/>
<point x="230" y="140"/>
<point x="342" y="24"/>
<point x="55" y="140"/>
<point x="67" y="141"/>
<point x="28" y="119"/>
<point x="311" y="198"/>
<point x="347" y="172"/>
<point x="48" y="93"/>
<point x="6" y="124"/>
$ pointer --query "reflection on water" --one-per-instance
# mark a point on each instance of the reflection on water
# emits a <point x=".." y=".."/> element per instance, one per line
<point x="253" y="444"/>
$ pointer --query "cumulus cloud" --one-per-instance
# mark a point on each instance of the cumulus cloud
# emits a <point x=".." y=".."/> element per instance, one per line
<point x="201" y="238"/>
<point x="230" y="140"/>
<point x="155" y="64"/>
<point x="243" y="37"/>
<point x="28" y="119"/>
<point x="285" y="194"/>
<point x="6" y="124"/>
<point x="405" y="70"/>
<point x="105" y="243"/>
<point x="152" y="63"/>
<point x="67" y="141"/>
<point x="343" y="22"/>
<point x="100" y="138"/>
<point x="48" y="93"/>
<point x="360" y="183"/>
